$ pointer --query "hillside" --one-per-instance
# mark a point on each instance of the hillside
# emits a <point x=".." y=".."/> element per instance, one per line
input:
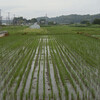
<point x="73" y="18"/>
<point x="64" y="19"/>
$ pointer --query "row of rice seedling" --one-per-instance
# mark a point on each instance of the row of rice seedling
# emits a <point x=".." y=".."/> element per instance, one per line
<point x="86" y="76"/>
<point x="9" y="64"/>
<point x="48" y="71"/>
<point x="34" y="65"/>
<point x="86" y="69"/>
<point x="32" y="74"/>
<point x="14" y="67"/>
<point x="81" y="79"/>
<point x="47" y="87"/>
<point x="87" y="48"/>
<point x="60" y="69"/>
<point x="37" y="86"/>
<point x="74" y="61"/>
<point x="9" y="83"/>
<point x="44" y="71"/>
<point x="24" y="73"/>
<point x="41" y="87"/>
<point x="5" y="70"/>
<point x="68" y="74"/>
<point x="76" y="77"/>
<point x="53" y="82"/>
<point x="8" y="53"/>
<point x="64" y="67"/>
<point x="55" y="73"/>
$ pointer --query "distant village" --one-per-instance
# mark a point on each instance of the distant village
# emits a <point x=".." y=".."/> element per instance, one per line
<point x="24" y="21"/>
<point x="8" y="20"/>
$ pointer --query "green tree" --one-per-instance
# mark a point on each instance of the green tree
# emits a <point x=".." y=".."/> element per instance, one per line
<point x="96" y="21"/>
<point x="85" y="22"/>
<point x="33" y="20"/>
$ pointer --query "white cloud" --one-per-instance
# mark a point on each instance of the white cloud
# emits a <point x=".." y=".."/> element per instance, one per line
<point x="34" y="8"/>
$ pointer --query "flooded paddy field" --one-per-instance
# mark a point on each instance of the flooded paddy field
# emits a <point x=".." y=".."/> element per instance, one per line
<point x="49" y="67"/>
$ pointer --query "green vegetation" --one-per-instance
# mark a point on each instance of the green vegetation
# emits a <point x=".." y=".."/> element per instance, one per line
<point x="67" y="57"/>
<point x="96" y="21"/>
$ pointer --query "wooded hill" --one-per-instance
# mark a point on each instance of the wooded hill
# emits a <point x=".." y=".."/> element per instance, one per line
<point x="73" y="18"/>
<point x="64" y="19"/>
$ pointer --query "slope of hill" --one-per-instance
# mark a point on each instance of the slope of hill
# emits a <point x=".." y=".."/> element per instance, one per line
<point x="73" y="18"/>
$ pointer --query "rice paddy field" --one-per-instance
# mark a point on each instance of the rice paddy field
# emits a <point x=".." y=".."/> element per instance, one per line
<point x="52" y="63"/>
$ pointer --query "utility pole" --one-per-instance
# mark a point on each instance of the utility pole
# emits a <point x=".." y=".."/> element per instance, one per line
<point x="46" y="20"/>
<point x="14" y="20"/>
<point x="0" y="18"/>
<point x="8" y="18"/>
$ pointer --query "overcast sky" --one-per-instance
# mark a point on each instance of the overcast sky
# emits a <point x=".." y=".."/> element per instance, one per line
<point x="37" y="8"/>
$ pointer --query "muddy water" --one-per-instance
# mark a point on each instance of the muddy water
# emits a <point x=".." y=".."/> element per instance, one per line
<point x="1" y="95"/>
<point x="98" y="92"/>
<point x="61" y="87"/>
<point x="47" y="83"/>
<point x="88" y="76"/>
<point x="55" y="90"/>
<point x="41" y="74"/>
<point x="30" y="73"/>
<point x="72" y="70"/>
<point x="41" y="81"/>
<point x="34" y="83"/>
<point x="71" y="91"/>
<point x="78" y="70"/>
<point x="21" y="83"/>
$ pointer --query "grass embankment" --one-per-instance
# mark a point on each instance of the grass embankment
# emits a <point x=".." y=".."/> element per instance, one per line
<point x="34" y="31"/>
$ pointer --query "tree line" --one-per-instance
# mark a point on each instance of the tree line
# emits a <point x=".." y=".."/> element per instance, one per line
<point x="70" y="19"/>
